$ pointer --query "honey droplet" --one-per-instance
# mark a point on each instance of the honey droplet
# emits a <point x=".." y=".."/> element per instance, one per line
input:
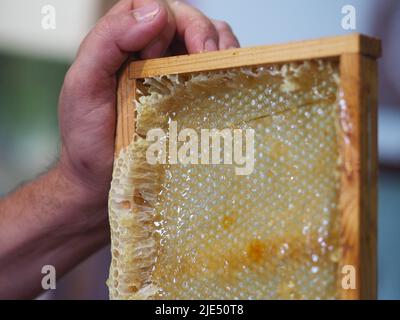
<point x="228" y="220"/>
<point x="335" y="255"/>
<point x="126" y="204"/>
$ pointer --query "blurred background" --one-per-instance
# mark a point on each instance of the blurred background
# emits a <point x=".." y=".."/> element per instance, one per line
<point x="33" y="62"/>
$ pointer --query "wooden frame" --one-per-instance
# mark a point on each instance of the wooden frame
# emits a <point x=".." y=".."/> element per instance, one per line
<point x="357" y="55"/>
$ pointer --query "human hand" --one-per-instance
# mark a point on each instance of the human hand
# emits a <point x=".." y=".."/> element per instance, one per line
<point x="87" y="106"/>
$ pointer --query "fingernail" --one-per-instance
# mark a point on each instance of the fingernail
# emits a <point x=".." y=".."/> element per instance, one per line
<point x="210" y="45"/>
<point x="146" y="13"/>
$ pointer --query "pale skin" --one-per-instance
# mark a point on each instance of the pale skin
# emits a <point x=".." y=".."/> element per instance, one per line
<point x="61" y="217"/>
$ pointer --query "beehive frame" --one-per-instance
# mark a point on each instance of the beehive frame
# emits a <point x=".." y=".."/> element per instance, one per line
<point x="357" y="56"/>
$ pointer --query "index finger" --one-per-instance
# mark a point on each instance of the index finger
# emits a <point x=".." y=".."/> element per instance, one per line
<point x="197" y="31"/>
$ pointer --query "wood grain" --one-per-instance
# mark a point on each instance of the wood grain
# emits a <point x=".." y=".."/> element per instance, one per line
<point x="125" y="110"/>
<point x="244" y="57"/>
<point x="358" y="195"/>
<point x="369" y="178"/>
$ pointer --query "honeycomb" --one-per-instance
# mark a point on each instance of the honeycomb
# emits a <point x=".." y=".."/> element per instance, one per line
<point x="201" y="231"/>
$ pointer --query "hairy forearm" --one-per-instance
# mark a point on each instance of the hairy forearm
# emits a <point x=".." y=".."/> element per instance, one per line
<point x="46" y="222"/>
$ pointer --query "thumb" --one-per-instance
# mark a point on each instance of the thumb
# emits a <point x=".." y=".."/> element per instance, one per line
<point x="108" y="45"/>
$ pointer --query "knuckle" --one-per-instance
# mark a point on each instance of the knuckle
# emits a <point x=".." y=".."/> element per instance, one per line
<point x="106" y="27"/>
<point x="70" y="78"/>
<point x="75" y="83"/>
<point x="71" y="82"/>
<point x="223" y="26"/>
<point x="202" y="25"/>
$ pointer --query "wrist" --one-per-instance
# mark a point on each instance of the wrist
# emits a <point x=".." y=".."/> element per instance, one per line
<point x="50" y="212"/>
<point x="85" y="206"/>
<point x="49" y="221"/>
<point x="87" y="190"/>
